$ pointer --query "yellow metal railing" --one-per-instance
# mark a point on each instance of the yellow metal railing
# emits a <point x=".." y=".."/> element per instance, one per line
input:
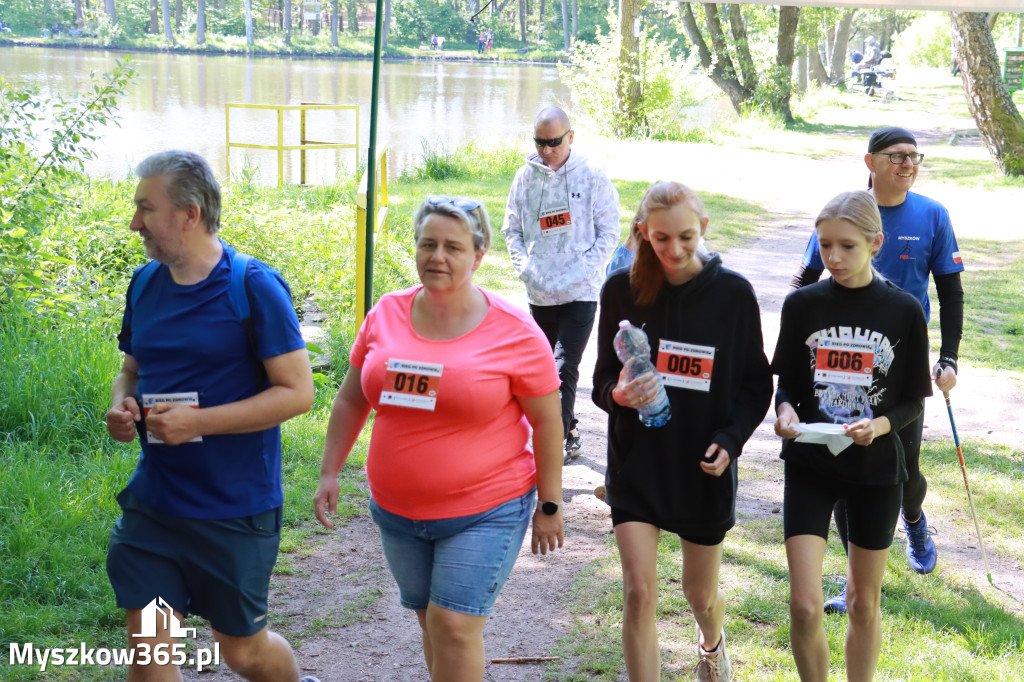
<point x="304" y="144"/>
<point x="380" y="225"/>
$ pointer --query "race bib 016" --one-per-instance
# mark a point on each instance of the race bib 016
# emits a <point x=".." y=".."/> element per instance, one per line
<point x="844" y="361"/>
<point x="408" y="383"/>
<point x="187" y="398"/>
<point x="686" y="365"/>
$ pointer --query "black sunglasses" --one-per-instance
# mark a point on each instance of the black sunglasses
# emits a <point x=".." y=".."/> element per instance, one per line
<point x="553" y="142"/>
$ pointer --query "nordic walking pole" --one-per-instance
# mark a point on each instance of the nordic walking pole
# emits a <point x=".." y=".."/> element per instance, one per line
<point x="970" y="499"/>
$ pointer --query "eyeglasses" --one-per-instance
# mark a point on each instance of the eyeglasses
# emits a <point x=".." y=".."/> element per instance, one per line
<point x="467" y="205"/>
<point x="553" y="142"/>
<point x="899" y="157"/>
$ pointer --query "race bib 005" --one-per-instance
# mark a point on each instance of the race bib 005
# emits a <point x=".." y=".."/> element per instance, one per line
<point x="686" y="365"/>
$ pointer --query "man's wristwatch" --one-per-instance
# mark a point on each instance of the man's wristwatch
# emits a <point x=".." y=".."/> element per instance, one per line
<point x="550" y="508"/>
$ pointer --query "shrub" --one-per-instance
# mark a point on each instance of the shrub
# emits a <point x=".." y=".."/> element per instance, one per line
<point x="926" y="42"/>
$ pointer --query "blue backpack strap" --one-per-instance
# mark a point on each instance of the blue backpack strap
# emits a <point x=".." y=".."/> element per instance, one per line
<point x="139" y="281"/>
<point x="239" y="294"/>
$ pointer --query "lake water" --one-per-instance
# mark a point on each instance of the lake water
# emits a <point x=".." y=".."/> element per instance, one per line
<point x="178" y="102"/>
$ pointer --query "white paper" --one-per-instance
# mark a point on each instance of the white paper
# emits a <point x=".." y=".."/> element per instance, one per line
<point x="831" y="435"/>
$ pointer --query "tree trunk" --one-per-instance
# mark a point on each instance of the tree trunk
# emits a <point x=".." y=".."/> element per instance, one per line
<point x="565" y="26"/>
<point x="789" y="19"/>
<point x="108" y="5"/>
<point x="353" y="17"/>
<point x="334" y="22"/>
<point x="165" y="8"/>
<point x="387" y="24"/>
<point x="817" y="68"/>
<point x="200" y="22"/>
<point x="801" y="69"/>
<point x="287" y="22"/>
<point x="79" y="20"/>
<point x="739" y="34"/>
<point x="629" y="94"/>
<point x="997" y="117"/>
<point x="837" y="69"/>
<point x="540" y="22"/>
<point x="248" y="21"/>
<point x="575" y="19"/>
<point x="177" y="16"/>
<point x="522" y="20"/>
<point x="718" y="67"/>
<point x="154" y="17"/>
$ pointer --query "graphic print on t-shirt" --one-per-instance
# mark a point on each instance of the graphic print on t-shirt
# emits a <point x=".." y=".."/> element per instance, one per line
<point x="840" y="358"/>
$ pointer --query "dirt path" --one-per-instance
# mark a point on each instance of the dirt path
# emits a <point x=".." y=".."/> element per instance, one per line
<point x="341" y="602"/>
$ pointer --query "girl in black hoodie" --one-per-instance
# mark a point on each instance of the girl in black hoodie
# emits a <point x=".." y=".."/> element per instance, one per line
<point x="852" y="351"/>
<point x="680" y="477"/>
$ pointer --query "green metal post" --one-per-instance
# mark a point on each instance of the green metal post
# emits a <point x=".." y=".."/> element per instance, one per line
<point x="371" y="164"/>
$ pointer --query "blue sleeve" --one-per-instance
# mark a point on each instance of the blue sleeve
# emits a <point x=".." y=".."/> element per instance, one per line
<point x="275" y="324"/>
<point x="945" y="256"/>
<point x="812" y="257"/>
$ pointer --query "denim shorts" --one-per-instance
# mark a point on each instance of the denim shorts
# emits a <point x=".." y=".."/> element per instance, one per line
<point x="218" y="569"/>
<point x="459" y="564"/>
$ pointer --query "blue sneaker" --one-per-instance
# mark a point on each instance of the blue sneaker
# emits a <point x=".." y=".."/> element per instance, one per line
<point x="921" y="552"/>
<point x="837" y="604"/>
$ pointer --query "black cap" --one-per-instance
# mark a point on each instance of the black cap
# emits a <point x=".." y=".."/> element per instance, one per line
<point x="885" y="137"/>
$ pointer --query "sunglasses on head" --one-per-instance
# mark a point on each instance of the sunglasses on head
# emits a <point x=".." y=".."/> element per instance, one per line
<point x="553" y="142"/>
<point x="467" y="205"/>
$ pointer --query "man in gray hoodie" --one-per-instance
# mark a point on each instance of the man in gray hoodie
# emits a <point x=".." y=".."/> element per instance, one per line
<point x="561" y="225"/>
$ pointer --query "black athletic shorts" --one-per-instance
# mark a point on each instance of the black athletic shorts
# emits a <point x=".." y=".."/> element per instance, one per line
<point x="622" y="516"/>
<point x="809" y="497"/>
<point x="218" y="569"/>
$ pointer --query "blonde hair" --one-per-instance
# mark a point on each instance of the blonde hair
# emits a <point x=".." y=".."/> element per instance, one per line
<point x="859" y="208"/>
<point x="646" y="274"/>
<point x="475" y="219"/>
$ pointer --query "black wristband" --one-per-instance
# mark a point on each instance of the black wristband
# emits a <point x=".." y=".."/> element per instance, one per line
<point x="946" y="361"/>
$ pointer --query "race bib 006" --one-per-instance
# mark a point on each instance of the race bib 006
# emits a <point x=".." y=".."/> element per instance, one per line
<point x="844" y="361"/>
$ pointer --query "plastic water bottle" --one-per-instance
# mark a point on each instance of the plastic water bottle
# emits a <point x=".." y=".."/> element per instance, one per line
<point x="634" y="352"/>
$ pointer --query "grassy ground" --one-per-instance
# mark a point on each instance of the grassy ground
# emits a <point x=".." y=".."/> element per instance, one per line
<point x="61" y="472"/>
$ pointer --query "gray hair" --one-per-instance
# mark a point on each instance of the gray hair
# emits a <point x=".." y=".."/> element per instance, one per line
<point x="475" y="220"/>
<point x="189" y="181"/>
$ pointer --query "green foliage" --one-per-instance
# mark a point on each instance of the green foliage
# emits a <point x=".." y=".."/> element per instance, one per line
<point x="469" y="160"/>
<point x="35" y="192"/>
<point x="29" y="17"/>
<point x="883" y="24"/>
<point x="416" y="20"/>
<point x="926" y="41"/>
<point x="666" y="91"/>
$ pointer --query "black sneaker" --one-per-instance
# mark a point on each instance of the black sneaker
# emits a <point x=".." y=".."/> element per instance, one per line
<point x="573" y="447"/>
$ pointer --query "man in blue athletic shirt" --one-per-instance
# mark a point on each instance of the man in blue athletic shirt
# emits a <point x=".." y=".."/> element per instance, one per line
<point x="919" y="240"/>
<point x="201" y="515"/>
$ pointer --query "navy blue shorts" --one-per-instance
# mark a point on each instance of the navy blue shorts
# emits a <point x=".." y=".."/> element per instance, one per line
<point x="218" y="569"/>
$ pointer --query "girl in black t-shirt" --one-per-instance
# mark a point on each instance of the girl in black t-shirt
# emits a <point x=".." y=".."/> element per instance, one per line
<point x="852" y="351"/>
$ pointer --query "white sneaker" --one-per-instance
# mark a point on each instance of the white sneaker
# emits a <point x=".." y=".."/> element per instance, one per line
<point x="713" y="666"/>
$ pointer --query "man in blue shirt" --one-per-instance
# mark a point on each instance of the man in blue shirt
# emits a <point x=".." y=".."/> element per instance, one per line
<point x="206" y="391"/>
<point x="919" y="240"/>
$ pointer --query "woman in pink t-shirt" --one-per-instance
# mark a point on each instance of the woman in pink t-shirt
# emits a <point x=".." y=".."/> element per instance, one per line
<point x="456" y="376"/>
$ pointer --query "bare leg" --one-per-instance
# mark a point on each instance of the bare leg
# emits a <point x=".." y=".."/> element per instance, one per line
<point x="863" y="596"/>
<point x="151" y="672"/>
<point x="263" y="657"/>
<point x="805" y="554"/>
<point x="638" y="552"/>
<point x="456" y="645"/>
<point x="700" y="585"/>
<point x="427" y="654"/>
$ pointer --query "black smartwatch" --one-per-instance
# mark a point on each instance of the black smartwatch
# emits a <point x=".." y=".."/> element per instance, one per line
<point x="549" y="508"/>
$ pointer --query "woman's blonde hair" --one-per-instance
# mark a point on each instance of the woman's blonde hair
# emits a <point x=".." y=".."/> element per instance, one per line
<point x="857" y="207"/>
<point x="646" y="275"/>
<point x="470" y="212"/>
